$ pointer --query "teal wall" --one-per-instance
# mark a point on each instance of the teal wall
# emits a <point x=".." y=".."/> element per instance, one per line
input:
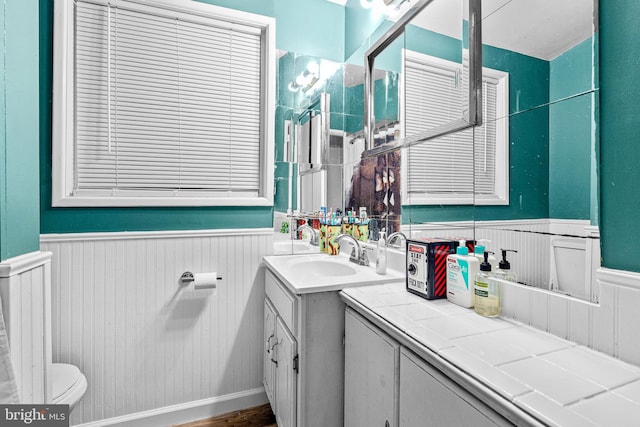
<point x="619" y="134"/>
<point x="299" y="29"/>
<point x="571" y="141"/>
<point x="360" y="24"/>
<point x="19" y="203"/>
<point x="528" y="133"/>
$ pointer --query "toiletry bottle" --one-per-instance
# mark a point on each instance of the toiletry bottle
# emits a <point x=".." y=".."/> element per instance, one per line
<point x="381" y="255"/>
<point x="461" y="272"/>
<point x="486" y="290"/>
<point x="478" y="252"/>
<point x="504" y="271"/>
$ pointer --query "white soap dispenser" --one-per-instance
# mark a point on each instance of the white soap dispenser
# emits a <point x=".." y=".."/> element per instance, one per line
<point x="462" y="269"/>
<point x="381" y="255"/>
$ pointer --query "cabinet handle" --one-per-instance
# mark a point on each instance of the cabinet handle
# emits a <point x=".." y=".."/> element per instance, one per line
<point x="273" y="347"/>
<point x="269" y="342"/>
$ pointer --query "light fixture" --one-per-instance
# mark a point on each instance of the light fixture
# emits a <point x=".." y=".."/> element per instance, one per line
<point x="294" y="87"/>
<point x="367" y="4"/>
<point x="306" y="79"/>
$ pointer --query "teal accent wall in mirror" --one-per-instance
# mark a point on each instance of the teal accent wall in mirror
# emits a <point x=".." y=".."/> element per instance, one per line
<point x="550" y="206"/>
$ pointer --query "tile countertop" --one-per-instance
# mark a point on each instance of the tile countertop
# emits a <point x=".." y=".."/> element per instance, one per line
<point x="555" y="381"/>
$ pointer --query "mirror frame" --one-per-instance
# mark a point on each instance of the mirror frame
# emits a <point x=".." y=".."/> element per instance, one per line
<point x="474" y="116"/>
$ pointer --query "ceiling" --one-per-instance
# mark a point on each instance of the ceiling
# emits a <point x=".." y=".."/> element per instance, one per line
<point x="540" y="28"/>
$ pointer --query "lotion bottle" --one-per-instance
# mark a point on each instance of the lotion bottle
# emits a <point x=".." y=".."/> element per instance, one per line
<point x="486" y="290"/>
<point x="381" y="255"/>
<point x="461" y="272"/>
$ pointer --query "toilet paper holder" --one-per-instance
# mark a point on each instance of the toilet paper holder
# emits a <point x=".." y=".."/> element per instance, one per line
<point x="188" y="277"/>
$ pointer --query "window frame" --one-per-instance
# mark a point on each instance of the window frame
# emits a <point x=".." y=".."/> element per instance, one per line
<point x="63" y="124"/>
<point x="500" y="196"/>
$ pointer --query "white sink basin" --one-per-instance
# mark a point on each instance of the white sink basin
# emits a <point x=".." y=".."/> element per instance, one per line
<point x="320" y="267"/>
<point x="321" y="272"/>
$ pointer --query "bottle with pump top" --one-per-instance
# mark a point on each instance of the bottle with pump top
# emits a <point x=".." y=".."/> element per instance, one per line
<point x="478" y="252"/>
<point x="462" y="269"/>
<point x="486" y="290"/>
<point x="504" y="271"/>
<point x="381" y="255"/>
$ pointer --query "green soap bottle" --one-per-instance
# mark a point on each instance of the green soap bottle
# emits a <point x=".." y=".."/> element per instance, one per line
<point x="486" y="290"/>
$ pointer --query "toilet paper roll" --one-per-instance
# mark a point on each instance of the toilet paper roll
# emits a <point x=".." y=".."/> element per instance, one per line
<point x="205" y="280"/>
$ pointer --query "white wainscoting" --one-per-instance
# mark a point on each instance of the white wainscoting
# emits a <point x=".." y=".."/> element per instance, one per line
<point x="531" y="238"/>
<point x="119" y="315"/>
<point x="527" y="236"/>
<point x="25" y="292"/>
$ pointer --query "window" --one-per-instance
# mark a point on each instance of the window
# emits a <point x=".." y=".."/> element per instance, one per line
<point x="453" y="169"/>
<point x="163" y="104"/>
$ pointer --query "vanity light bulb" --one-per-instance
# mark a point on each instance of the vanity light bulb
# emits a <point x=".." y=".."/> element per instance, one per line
<point x="301" y="80"/>
<point x="366" y="3"/>
<point x="313" y="68"/>
<point x="293" y="87"/>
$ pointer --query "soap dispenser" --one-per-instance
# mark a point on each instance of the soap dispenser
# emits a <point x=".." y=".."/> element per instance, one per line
<point x="462" y="269"/>
<point x="381" y="255"/>
<point x="504" y="271"/>
<point x="479" y="249"/>
<point x="486" y="290"/>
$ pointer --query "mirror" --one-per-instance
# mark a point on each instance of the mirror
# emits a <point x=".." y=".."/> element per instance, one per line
<point x="547" y="206"/>
<point x="536" y="191"/>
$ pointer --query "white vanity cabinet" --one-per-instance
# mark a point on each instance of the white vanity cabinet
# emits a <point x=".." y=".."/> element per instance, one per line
<point x="429" y="398"/>
<point x="303" y="356"/>
<point x="371" y="375"/>
<point x="387" y="385"/>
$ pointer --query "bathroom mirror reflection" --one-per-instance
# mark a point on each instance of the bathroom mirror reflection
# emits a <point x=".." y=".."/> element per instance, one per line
<point x="531" y="169"/>
<point x="538" y="193"/>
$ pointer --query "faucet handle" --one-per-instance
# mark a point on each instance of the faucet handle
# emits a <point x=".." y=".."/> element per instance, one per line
<point x="364" y="259"/>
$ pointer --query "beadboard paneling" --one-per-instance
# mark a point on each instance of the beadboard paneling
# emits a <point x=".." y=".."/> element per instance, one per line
<point x="119" y="314"/>
<point x="25" y="294"/>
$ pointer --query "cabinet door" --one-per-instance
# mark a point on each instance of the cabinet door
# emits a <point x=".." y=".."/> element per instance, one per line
<point x="428" y="398"/>
<point x="269" y="365"/>
<point x="286" y="376"/>
<point x="371" y="375"/>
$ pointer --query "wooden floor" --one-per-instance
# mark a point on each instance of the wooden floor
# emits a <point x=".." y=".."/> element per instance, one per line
<point x="260" y="416"/>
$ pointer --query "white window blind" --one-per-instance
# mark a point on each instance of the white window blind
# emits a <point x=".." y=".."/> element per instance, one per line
<point x="166" y="104"/>
<point x="459" y="166"/>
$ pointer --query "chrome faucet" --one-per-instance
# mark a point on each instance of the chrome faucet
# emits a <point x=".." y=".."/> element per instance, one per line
<point x="394" y="236"/>
<point x="357" y="254"/>
<point x="314" y="233"/>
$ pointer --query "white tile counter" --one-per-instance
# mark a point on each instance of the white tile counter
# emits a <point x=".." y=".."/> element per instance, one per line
<point x="529" y="372"/>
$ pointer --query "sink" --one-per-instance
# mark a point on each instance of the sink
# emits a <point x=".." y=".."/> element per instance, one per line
<point x="316" y="272"/>
<point x="321" y="268"/>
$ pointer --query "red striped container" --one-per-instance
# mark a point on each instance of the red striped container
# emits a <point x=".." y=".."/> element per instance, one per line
<point x="427" y="266"/>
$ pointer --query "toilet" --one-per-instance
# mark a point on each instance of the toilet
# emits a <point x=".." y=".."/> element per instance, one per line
<point x="69" y="384"/>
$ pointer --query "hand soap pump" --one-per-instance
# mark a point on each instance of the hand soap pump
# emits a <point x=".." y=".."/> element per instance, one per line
<point x="381" y="255"/>
<point x="504" y="271"/>
<point x="486" y="290"/>
<point x="479" y="249"/>
<point x="462" y="269"/>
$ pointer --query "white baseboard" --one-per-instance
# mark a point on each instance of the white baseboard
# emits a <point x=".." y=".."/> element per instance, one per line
<point x="187" y="412"/>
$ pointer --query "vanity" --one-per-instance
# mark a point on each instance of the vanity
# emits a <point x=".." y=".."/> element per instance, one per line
<point x="303" y="358"/>
<point x="408" y="360"/>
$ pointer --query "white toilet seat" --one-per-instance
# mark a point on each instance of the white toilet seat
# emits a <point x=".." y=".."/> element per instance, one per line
<point x="69" y="384"/>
